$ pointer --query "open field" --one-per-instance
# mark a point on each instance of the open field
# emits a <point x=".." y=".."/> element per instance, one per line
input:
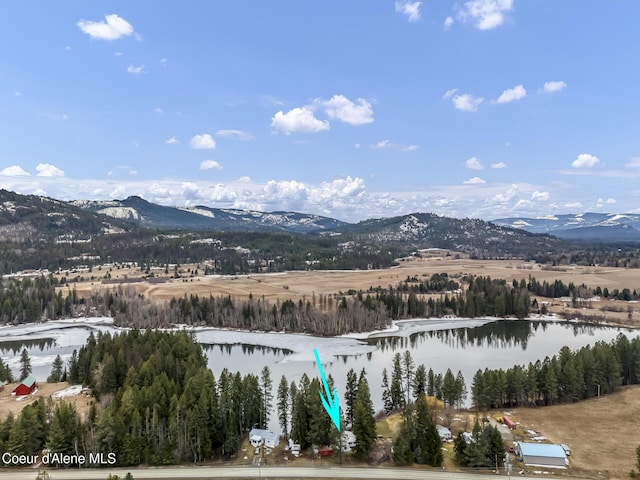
<point x="9" y="404"/>
<point x="304" y="284"/>
<point x="603" y="433"/>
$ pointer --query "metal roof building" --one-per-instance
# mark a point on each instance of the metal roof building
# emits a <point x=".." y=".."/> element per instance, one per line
<point x="542" y="454"/>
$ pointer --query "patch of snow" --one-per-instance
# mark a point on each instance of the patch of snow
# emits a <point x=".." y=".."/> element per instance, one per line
<point x="547" y="217"/>
<point x="126" y="213"/>
<point x="521" y="223"/>
<point x="72" y="391"/>
<point x="199" y="211"/>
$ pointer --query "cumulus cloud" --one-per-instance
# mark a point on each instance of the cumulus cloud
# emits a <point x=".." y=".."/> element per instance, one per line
<point x="48" y="170"/>
<point x="499" y="165"/>
<point x="485" y="14"/>
<point x="340" y="107"/>
<point x="210" y="164"/>
<point x="474" y="181"/>
<point x="448" y="22"/>
<point x="298" y="120"/>
<point x="237" y="134"/>
<point x="172" y="141"/>
<point x="585" y="160"/>
<point x="449" y="93"/>
<point x="132" y="69"/>
<point x="512" y="94"/>
<point x="602" y="202"/>
<point x="382" y="144"/>
<point x="539" y="196"/>
<point x="14" y="171"/>
<point x="112" y="28"/>
<point x="410" y="9"/>
<point x="203" y="141"/>
<point x="473" y="163"/>
<point x="553" y="86"/>
<point x="410" y="148"/>
<point x="466" y="102"/>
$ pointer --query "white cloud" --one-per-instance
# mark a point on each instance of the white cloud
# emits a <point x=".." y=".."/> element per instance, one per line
<point x="356" y="146"/>
<point x="585" y="160"/>
<point x="448" y="22"/>
<point x="522" y="203"/>
<point x="67" y="48"/>
<point x="634" y="162"/>
<point x="158" y="110"/>
<point x="17" y="93"/>
<point x="504" y="197"/>
<point x="383" y="144"/>
<point x="237" y="134"/>
<point x="359" y="112"/>
<point x="410" y="9"/>
<point x="410" y="148"/>
<point x="14" y="171"/>
<point x="512" y="94"/>
<point x="164" y="62"/>
<point x="602" y="202"/>
<point x="113" y="28"/>
<point x="133" y="171"/>
<point x="203" y="142"/>
<point x="118" y="54"/>
<point x="551" y="87"/>
<point x="136" y="70"/>
<point x="474" y="181"/>
<point x="499" y="165"/>
<point x="209" y="164"/>
<point x="298" y="120"/>
<point x="449" y="93"/>
<point x="539" y="196"/>
<point x="172" y="141"/>
<point x="466" y="102"/>
<point x="473" y="163"/>
<point x="48" y="170"/>
<point x="485" y="14"/>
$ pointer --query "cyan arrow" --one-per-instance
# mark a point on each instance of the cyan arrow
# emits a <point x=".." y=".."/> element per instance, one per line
<point x="330" y="404"/>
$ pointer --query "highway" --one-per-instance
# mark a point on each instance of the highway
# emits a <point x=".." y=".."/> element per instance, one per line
<point x="205" y="472"/>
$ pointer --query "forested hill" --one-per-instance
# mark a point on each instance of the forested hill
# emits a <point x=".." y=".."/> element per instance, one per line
<point x="477" y="237"/>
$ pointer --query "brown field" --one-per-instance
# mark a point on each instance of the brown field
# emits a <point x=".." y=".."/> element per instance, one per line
<point x="603" y="433"/>
<point x="304" y="284"/>
<point x="9" y="404"/>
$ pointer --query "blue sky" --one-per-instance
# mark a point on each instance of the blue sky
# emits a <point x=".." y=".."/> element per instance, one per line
<point x="358" y="109"/>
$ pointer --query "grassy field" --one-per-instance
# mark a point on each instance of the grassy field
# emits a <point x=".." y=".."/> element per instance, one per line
<point x="603" y="433"/>
<point x="304" y="284"/>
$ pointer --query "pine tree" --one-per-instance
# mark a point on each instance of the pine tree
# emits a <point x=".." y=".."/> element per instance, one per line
<point x="266" y="383"/>
<point x="283" y="405"/>
<point x="459" y="448"/>
<point x="397" y="397"/>
<point x="56" y="370"/>
<point x="5" y="372"/>
<point x="25" y="365"/>
<point x="408" y="367"/>
<point x="419" y="381"/>
<point x="386" y="393"/>
<point x="364" y="422"/>
<point x="427" y="437"/>
<point x="350" y="395"/>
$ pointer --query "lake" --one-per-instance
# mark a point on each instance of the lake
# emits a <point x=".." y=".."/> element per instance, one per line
<point x="458" y="344"/>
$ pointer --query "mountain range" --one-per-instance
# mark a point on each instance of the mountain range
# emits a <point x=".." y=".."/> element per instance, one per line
<point x="585" y="227"/>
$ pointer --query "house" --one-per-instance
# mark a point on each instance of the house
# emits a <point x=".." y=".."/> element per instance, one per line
<point x="444" y="432"/>
<point x="542" y="455"/>
<point x="348" y="441"/>
<point x="259" y="437"/>
<point x="26" y="387"/>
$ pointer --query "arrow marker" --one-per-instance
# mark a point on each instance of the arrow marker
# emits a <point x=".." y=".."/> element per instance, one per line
<point x="330" y="404"/>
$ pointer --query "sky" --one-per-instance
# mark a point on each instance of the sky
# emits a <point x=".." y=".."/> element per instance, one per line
<point x="353" y="110"/>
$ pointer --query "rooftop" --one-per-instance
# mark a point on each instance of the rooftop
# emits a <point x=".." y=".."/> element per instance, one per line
<point x="542" y="450"/>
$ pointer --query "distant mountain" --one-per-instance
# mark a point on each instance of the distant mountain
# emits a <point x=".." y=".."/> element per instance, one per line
<point x="426" y="230"/>
<point x="586" y="227"/>
<point x="34" y="218"/>
<point x="137" y="210"/>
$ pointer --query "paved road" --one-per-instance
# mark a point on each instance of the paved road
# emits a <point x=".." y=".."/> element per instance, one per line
<point x="244" y="472"/>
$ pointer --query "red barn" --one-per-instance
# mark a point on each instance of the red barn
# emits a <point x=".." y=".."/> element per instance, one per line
<point x="27" y="386"/>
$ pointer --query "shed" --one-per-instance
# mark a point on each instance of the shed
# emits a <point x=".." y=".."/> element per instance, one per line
<point x="26" y="387"/>
<point x="508" y="422"/>
<point x="325" y="451"/>
<point x="444" y="432"/>
<point x="267" y="438"/>
<point x="542" y="454"/>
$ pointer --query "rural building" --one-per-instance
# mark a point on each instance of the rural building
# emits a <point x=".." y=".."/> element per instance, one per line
<point x="542" y="455"/>
<point x="26" y="387"/>
<point x="325" y="451"/>
<point x="348" y="441"/>
<point x="444" y="432"/>
<point x="259" y="437"/>
<point x="508" y="422"/>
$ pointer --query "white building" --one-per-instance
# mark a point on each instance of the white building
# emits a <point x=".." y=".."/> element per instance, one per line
<point x="444" y="432"/>
<point x="259" y="437"/>
<point x="348" y="441"/>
